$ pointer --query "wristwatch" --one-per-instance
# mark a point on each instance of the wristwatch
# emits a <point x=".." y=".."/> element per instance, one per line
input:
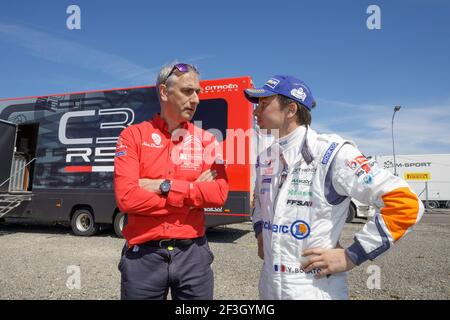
<point x="165" y="187"/>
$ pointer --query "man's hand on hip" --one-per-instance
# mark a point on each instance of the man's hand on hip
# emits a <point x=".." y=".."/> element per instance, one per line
<point x="328" y="260"/>
<point x="260" y="246"/>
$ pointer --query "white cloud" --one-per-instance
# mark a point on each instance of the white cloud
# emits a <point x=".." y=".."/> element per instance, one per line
<point x="418" y="129"/>
<point x="51" y="48"/>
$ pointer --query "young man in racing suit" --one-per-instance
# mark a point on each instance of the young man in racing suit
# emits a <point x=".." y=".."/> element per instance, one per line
<point x="304" y="185"/>
<point x="165" y="171"/>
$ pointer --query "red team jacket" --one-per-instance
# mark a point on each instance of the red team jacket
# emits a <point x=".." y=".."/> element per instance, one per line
<point x="148" y="150"/>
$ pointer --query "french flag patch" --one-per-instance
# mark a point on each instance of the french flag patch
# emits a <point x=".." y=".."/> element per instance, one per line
<point x="279" y="268"/>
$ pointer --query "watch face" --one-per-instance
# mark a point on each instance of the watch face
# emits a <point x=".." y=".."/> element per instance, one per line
<point x="165" y="186"/>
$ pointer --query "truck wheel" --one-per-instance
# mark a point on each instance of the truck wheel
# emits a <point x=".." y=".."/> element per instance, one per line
<point x="351" y="213"/>
<point x="431" y="204"/>
<point x="119" y="220"/>
<point x="447" y="204"/>
<point x="83" y="223"/>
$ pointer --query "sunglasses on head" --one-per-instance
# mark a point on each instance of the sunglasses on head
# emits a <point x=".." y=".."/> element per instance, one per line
<point x="182" y="67"/>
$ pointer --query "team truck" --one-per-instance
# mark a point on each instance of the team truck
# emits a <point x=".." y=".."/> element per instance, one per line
<point x="427" y="174"/>
<point x="57" y="158"/>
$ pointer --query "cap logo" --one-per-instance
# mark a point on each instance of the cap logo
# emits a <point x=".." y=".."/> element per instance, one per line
<point x="256" y="90"/>
<point x="299" y="94"/>
<point x="272" y="83"/>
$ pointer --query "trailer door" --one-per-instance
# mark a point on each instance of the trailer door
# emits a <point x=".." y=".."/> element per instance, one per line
<point x="7" y="143"/>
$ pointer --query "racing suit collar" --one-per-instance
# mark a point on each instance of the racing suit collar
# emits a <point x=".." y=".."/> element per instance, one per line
<point x="295" y="138"/>
<point x="162" y="125"/>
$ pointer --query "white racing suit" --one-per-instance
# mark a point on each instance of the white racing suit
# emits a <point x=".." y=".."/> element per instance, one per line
<point x="303" y="189"/>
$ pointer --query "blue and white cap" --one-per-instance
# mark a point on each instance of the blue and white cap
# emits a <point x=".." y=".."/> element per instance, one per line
<point x="287" y="86"/>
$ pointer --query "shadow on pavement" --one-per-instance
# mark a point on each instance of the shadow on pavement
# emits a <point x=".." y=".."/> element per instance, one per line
<point x="220" y="234"/>
<point x="14" y="226"/>
<point x="358" y="221"/>
<point x="437" y="211"/>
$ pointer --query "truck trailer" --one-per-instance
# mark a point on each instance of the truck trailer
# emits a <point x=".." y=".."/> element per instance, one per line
<point x="57" y="158"/>
<point x="427" y="174"/>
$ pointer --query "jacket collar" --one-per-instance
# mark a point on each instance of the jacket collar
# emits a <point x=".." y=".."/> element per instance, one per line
<point x="303" y="134"/>
<point x="306" y="150"/>
<point x="161" y="124"/>
<point x="292" y="139"/>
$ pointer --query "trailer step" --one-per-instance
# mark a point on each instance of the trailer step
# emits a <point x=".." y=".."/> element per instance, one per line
<point x="11" y="201"/>
<point x="20" y="192"/>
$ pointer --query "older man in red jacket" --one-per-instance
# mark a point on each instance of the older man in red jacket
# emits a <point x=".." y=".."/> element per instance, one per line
<point x="165" y="171"/>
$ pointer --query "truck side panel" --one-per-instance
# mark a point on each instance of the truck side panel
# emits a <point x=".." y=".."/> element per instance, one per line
<point x="78" y="134"/>
<point x="432" y="170"/>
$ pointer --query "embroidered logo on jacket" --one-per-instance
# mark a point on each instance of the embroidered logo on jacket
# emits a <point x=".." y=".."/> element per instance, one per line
<point x="299" y="203"/>
<point x="300" y="229"/>
<point x="359" y="162"/>
<point x="296" y="182"/>
<point x="329" y="152"/>
<point x="265" y="164"/>
<point x="191" y="153"/>
<point x="121" y="153"/>
<point x="290" y="269"/>
<point x="156" y="138"/>
<point x="267" y="180"/>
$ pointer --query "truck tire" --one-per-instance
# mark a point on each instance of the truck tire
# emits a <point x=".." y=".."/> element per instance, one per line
<point x="83" y="223"/>
<point x="351" y="213"/>
<point x="431" y="205"/>
<point x="447" y="205"/>
<point x="118" y="224"/>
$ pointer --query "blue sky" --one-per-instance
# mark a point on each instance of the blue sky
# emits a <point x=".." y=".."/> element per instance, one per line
<point x="357" y="75"/>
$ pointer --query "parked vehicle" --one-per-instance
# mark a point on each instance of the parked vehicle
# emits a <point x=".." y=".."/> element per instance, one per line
<point x="427" y="174"/>
<point x="57" y="157"/>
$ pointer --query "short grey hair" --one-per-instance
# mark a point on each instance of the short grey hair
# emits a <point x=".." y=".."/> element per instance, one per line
<point x="164" y="78"/>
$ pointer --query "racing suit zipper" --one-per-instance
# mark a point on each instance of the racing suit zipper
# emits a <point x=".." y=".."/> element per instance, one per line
<point x="283" y="178"/>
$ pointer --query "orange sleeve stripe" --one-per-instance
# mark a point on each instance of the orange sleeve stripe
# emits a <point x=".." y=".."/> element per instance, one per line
<point x="401" y="207"/>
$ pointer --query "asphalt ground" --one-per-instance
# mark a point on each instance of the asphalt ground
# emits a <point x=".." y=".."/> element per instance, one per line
<point x="48" y="262"/>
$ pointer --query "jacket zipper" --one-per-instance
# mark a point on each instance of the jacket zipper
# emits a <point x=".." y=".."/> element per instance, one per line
<point x="284" y="175"/>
